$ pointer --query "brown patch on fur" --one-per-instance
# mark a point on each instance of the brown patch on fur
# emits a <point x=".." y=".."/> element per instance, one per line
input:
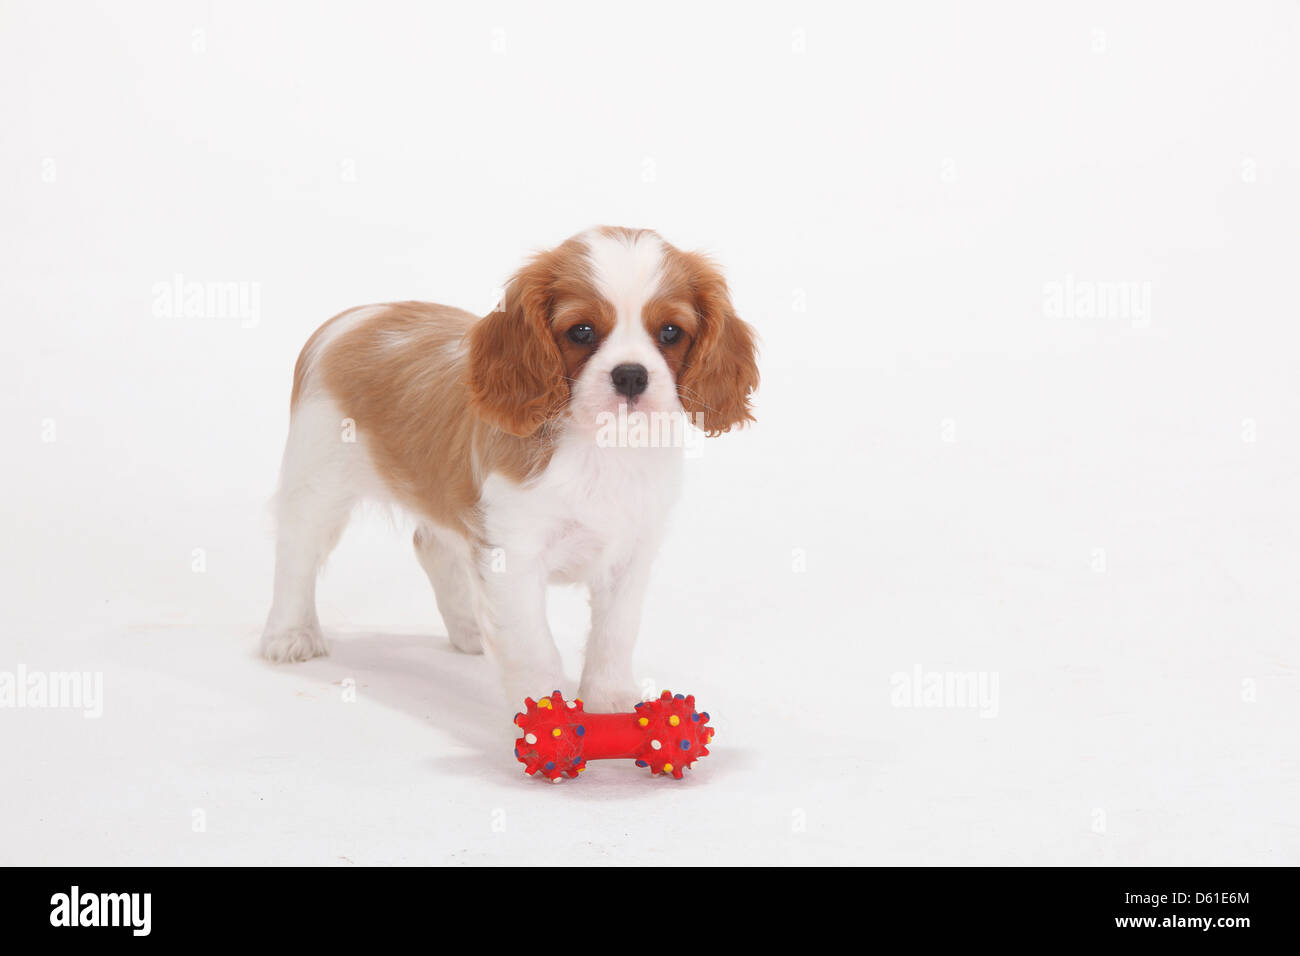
<point x="569" y="312"/>
<point x="307" y="356"/>
<point x="672" y="307"/>
<point x="520" y="362"/>
<point x="716" y="369"/>
<point x="403" y="377"/>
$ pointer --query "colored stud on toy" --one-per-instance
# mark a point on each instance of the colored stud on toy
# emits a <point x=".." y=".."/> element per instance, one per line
<point x="667" y="735"/>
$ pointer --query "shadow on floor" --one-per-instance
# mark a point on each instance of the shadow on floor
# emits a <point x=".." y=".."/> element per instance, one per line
<point x="421" y="675"/>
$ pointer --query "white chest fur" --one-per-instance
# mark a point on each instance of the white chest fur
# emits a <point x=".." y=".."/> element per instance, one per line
<point x="587" y="512"/>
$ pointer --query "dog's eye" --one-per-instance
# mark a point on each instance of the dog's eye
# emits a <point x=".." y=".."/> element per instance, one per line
<point x="669" y="334"/>
<point x="582" y="334"/>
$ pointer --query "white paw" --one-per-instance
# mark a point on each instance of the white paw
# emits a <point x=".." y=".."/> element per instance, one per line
<point x="605" y="698"/>
<point x="466" y="638"/>
<point x="300" y="643"/>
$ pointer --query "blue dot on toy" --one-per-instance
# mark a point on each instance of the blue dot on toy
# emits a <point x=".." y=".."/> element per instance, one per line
<point x="679" y="697"/>
<point x="579" y="730"/>
<point x="686" y="745"/>
<point x="642" y="763"/>
<point x="550" y="765"/>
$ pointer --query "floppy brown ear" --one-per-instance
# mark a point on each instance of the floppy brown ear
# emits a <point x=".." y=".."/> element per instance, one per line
<point x="720" y="370"/>
<point x="516" y="372"/>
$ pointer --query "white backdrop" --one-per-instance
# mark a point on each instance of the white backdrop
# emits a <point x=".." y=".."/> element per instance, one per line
<point x="1025" y="280"/>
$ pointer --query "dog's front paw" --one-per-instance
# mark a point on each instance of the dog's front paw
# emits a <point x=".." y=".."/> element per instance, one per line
<point x="465" y="636"/>
<point x="299" y="643"/>
<point x="600" y="697"/>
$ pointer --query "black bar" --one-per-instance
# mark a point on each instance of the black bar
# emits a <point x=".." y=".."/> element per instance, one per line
<point x="213" y="905"/>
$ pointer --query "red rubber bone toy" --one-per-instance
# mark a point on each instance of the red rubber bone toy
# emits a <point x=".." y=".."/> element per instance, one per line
<point x="667" y="735"/>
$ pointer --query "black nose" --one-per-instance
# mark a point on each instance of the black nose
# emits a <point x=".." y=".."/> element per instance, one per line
<point x="630" y="380"/>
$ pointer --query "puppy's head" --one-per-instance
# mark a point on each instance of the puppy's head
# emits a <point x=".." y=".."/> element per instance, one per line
<point x="613" y="318"/>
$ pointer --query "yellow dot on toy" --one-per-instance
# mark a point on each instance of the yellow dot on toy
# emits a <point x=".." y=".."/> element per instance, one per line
<point x="643" y="721"/>
<point x="545" y="702"/>
<point x="555" y="732"/>
<point x="674" y="720"/>
<point x="668" y="768"/>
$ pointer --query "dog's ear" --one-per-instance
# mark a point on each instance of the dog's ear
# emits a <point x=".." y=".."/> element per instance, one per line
<point x="516" y="372"/>
<point x="721" y="369"/>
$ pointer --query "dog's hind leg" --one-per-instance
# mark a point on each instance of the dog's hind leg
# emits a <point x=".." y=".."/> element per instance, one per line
<point x="318" y="489"/>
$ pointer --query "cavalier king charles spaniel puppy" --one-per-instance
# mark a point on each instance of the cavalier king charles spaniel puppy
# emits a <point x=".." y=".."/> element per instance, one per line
<point x="508" y="439"/>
